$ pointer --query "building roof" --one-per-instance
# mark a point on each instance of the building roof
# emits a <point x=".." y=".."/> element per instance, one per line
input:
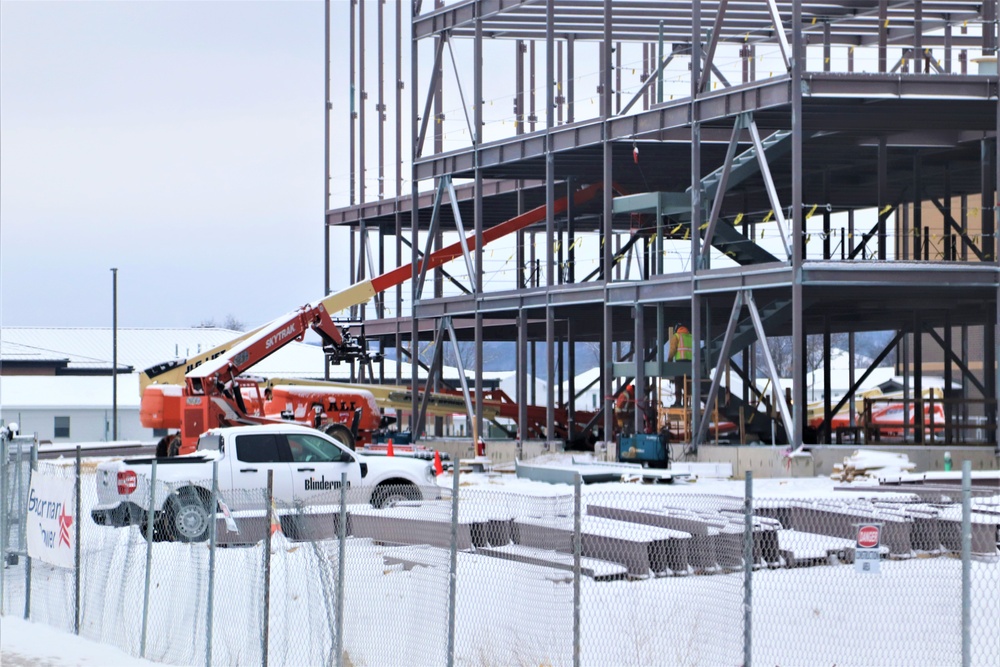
<point x="82" y="349"/>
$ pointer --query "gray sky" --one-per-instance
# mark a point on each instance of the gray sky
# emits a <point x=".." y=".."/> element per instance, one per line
<point x="178" y="141"/>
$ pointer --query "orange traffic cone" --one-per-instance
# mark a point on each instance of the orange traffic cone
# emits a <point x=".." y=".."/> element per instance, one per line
<point x="275" y="520"/>
<point x="390" y="451"/>
<point x="438" y="468"/>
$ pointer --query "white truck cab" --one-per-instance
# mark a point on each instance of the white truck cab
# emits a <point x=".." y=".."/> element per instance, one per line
<point x="306" y="467"/>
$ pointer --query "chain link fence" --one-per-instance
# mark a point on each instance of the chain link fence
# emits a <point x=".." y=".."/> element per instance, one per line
<point x="537" y="575"/>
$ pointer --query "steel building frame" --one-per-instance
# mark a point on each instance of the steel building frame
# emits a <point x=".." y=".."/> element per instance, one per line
<point x="798" y="140"/>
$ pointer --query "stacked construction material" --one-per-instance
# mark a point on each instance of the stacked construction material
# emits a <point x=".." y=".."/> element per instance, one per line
<point x="872" y="465"/>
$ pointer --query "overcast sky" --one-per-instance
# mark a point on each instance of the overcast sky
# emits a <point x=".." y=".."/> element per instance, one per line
<point x="181" y="142"/>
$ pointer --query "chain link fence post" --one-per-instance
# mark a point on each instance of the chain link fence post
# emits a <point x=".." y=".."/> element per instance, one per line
<point x="453" y="566"/>
<point x="267" y="566"/>
<point x="748" y="570"/>
<point x="577" y="553"/>
<point x="23" y="519"/>
<point x="341" y="570"/>
<point x="150" y="520"/>
<point x="212" y="537"/>
<point x="4" y="508"/>
<point x="76" y="547"/>
<point x="966" y="563"/>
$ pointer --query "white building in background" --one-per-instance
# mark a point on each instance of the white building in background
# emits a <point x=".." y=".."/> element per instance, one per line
<point x="57" y="381"/>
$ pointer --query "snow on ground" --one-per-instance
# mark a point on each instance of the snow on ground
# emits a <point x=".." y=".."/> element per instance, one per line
<point x="26" y="644"/>
<point x="509" y="613"/>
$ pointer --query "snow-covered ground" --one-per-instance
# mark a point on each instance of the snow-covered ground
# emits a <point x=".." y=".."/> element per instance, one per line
<point x="27" y="644"/>
<point x="509" y="613"/>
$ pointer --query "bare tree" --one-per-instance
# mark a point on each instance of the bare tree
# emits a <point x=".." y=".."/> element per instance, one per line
<point x="230" y="322"/>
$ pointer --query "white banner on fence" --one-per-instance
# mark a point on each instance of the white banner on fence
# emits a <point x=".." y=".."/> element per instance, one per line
<point x="49" y="525"/>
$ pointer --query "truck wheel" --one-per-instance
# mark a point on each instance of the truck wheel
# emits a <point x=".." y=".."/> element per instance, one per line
<point x="388" y="494"/>
<point x="341" y="433"/>
<point x="186" y="516"/>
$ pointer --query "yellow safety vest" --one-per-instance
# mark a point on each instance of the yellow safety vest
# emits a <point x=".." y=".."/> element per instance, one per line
<point x="684" y="348"/>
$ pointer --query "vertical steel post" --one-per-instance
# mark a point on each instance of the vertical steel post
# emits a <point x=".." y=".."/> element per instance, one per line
<point x="414" y="235"/>
<point x="550" y="219"/>
<point x="362" y="131"/>
<point x="659" y="66"/>
<point x="696" y="214"/>
<point x="212" y="538"/>
<point x="577" y="553"/>
<point x="748" y="570"/>
<point x="4" y="509"/>
<point x="966" y="563"/>
<point x="479" y="222"/>
<point x="797" y="239"/>
<point x="150" y="520"/>
<point x="326" y="156"/>
<point x="22" y="510"/>
<point x="399" y="189"/>
<point x="607" y="369"/>
<point x="453" y="565"/>
<point x="267" y="568"/>
<point x="381" y="102"/>
<point x="341" y="569"/>
<point x="76" y="546"/>
<point x="570" y="77"/>
<point x="353" y="114"/>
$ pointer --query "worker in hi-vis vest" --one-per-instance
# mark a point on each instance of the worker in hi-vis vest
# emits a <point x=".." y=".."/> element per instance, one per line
<point x="625" y="407"/>
<point x="680" y="350"/>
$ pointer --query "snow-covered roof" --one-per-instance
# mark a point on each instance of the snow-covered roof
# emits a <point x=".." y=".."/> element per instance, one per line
<point x="83" y="348"/>
<point x="91" y="347"/>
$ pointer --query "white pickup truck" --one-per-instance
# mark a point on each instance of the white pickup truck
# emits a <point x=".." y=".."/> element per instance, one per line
<point x="306" y="465"/>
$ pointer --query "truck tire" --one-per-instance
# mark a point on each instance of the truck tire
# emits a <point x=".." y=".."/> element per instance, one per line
<point x="391" y="492"/>
<point x="186" y="517"/>
<point x="341" y="433"/>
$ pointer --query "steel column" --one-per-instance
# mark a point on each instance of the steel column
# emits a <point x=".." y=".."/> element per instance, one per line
<point x="477" y="64"/>
<point x="696" y="333"/>
<point x="361" y="107"/>
<point x="797" y="237"/>
<point x="606" y="227"/>
<point x="550" y="218"/>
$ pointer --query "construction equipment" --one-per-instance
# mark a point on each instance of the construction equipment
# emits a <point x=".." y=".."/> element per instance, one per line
<point x="213" y="391"/>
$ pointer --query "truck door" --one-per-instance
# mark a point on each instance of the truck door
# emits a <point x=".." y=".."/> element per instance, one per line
<point x="256" y="454"/>
<point x="317" y="464"/>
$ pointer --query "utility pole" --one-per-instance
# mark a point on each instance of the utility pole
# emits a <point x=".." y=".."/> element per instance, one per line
<point x="114" y="354"/>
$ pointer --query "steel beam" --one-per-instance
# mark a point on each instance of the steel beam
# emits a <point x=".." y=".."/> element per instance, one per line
<point x="739" y="124"/>
<point x="418" y="147"/>
<point x="727" y="341"/>
<point x="772" y="192"/>
<point x="772" y="371"/>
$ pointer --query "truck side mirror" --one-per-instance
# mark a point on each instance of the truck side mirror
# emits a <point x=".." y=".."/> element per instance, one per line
<point x="364" y="470"/>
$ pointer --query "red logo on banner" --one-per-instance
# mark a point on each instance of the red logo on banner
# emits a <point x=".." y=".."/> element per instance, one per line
<point x="868" y="537"/>
<point x="65" y="521"/>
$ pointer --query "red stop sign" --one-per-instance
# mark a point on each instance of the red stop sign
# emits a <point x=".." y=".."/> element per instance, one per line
<point x="868" y="536"/>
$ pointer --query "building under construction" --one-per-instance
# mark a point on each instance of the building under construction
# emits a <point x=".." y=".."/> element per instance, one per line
<point x="808" y="171"/>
